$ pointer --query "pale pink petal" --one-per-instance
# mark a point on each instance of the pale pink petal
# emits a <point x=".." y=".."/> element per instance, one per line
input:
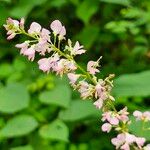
<point x="125" y="146"/>
<point x="44" y="64"/>
<point x="137" y="114"/>
<point x="106" y="127"/>
<point x="146" y="115"/>
<point x="62" y="32"/>
<point x="114" y="120"/>
<point x="91" y="67"/>
<point x="56" y="26"/>
<point x="30" y="53"/>
<point x="73" y="77"/>
<point x="98" y="103"/>
<point x="77" y="49"/>
<point x="140" y="141"/>
<point x="35" y="28"/>
<point x="11" y="36"/>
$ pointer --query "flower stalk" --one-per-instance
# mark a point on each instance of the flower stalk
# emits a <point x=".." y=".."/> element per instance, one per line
<point x="61" y="61"/>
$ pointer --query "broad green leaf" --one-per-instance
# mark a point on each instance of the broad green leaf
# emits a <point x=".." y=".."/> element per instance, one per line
<point x="87" y="9"/>
<point x="78" y="110"/>
<point x="19" y="64"/>
<point x="27" y="147"/>
<point x="137" y="128"/>
<point x="132" y="12"/>
<point x="14" y="77"/>
<point x="88" y="31"/>
<point x="19" y="126"/>
<point x="56" y="130"/>
<point x="23" y="7"/>
<point x="120" y="2"/>
<point x="5" y="70"/>
<point x="122" y="26"/>
<point x="59" y="96"/>
<point x="137" y="84"/>
<point x="14" y="97"/>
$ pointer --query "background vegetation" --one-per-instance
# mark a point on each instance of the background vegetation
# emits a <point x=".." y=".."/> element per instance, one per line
<point x="39" y="111"/>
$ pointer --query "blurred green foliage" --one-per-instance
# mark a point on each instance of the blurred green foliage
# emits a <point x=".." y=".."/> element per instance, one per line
<point x="40" y="111"/>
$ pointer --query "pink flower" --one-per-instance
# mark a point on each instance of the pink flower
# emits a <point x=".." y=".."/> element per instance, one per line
<point x="77" y="49"/>
<point x="30" y="53"/>
<point x="123" y="115"/>
<point x="125" y="146"/>
<point x="45" y="34"/>
<point x="124" y="140"/>
<point x="146" y="115"/>
<point x="35" y="28"/>
<point x="98" y="103"/>
<point x="12" y="26"/>
<point x="111" y="117"/>
<point x="42" y="47"/>
<point x="70" y="65"/>
<point x="101" y="91"/>
<point x="23" y="46"/>
<point x="140" y="141"/>
<point x="137" y="114"/>
<point x="64" y="66"/>
<point x="44" y="64"/>
<point x="62" y="33"/>
<point x="130" y="138"/>
<point x="119" y="140"/>
<point x="142" y="116"/>
<point x="106" y="127"/>
<point x="147" y="147"/>
<point x="11" y="36"/>
<point x="73" y="78"/>
<point x="57" y="28"/>
<point x="91" y="67"/>
<point x="86" y="90"/>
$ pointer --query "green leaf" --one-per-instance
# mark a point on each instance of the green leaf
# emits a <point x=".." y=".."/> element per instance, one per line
<point x="137" y="128"/>
<point x="5" y="70"/>
<point x="27" y="147"/>
<point x="59" y="96"/>
<point x="19" y="64"/>
<point x="23" y="7"/>
<point x="7" y="1"/>
<point x="137" y="84"/>
<point x="87" y="9"/>
<point x="14" y="97"/>
<point x="120" y="2"/>
<point x="79" y="110"/>
<point x="19" y="126"/>
<point x="3" y="14"/>
<point x="88" y="31"/>
<point x="57" y="3"/>
<point x="56" y="130"/>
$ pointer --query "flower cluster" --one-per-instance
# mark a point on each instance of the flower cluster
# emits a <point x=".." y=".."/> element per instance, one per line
<point x="115" y="119"/>
<point x="60" y="60"/>
<point x="125" y="140"/>
<point x="145" y="116"/>
<point x="13" y="27"/>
